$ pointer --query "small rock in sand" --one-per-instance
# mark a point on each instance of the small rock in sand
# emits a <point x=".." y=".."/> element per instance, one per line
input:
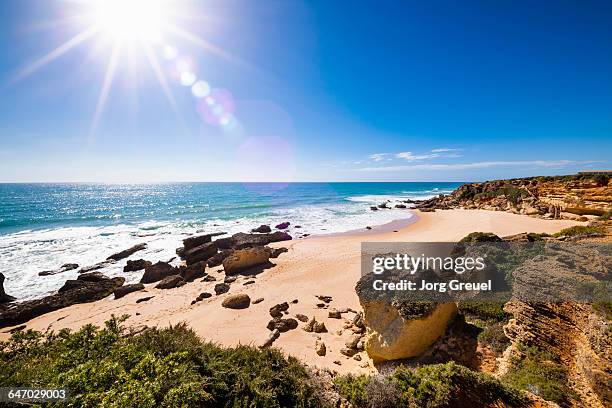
<point x="301" y="317"/>
<point x="277" y="310"/>
<point x="258" y="300"/>
<point x="320" y="348"/>
<point x="334" y="314"/>
<point x="237" y="301"/>
<point x="221" y="288"/>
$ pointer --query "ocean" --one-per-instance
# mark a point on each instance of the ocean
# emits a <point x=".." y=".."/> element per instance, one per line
<point x="43" y="226"/>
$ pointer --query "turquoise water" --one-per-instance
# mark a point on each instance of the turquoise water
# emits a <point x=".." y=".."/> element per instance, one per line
<point x="43" y="226"/>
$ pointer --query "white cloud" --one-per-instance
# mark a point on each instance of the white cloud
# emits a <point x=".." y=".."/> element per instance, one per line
<point x="444" y="150"/>
<point x="378" y="156"/>
<point x="411" y="157"/>
<point x="473" y="165"/>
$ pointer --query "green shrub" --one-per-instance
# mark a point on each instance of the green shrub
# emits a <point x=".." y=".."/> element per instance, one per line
<point x="432" y="386"/>
<point x="541" y="373"/>
<point x="493" y="335"/>
<point x="168" y="367"/>
<point x="605" y="216"/>
<point x="578" y="230"/>
<point x="487" y="311"/>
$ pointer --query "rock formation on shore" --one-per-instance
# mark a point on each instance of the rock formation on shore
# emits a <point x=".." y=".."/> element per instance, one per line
<point x="567" y="197"/>
<point x="4" y="297"/>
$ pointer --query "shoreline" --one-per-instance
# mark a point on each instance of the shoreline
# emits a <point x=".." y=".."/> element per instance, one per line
<point x="317" y="265"/>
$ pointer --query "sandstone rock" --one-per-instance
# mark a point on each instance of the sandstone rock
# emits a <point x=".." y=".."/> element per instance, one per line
<point x="136" y="265"/>
<point x="301" y="317"/>
<point x="277" y="310"/>
<point x="63" y="268"/>
<point x="262" y="229"/>
<point x="348" y="352"/>
<point x="171" y="282"/>
<point x="283" y="225"/>
<point x="276" y="252"/>
<point x="221" y="288"/>
<point x="258" y="300"/>
<point x="334" y="314"/>
<point x="193" y="271"/>
<point x="352" y="342"/>
<point x="4" y="297"/>
<point x="237" y="301"/>
<point x="273" y="336"/>
<point x="125" y="253"/>
<point x="199" y="253"/>
<point x="243" y="259"/>
<point x="86" y="288"/>
<point x="320" y="348"/>
<point x="157" y="272"/>
<point x="124" y="290"/>
<point x="282" y="325"/>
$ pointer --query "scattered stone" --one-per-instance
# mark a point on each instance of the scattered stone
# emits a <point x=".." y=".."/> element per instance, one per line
<point x="321" y="305"/>
<point x="97" y="266"/>
<point x="192" y="272"/>
<point x="276" y="252"/>
<point x="258" y="300"/>
<point x="282" y="325"/>
<point x="294" y="301"/>
<point x="337" y="362"/>
<point x="230" y="279"/>
<point x="334" y="314"/>
<point x="352" y="342"/>
<point x="199" y="253"/>
<point x="273" y="336"/>
<point x="242" y="240"/>
<point x="145" y="299"/>
<point x="221" y="288"/>
<point x="277" y="310"/>
<point x="125" y="253"/>
<point x="262" y="229"/>
<point x="314" y="326"/>
<point x="63" y="268"/>
<point x="249" y="282"/>
<point x="301" y="317"/>
<point x="237" y="301"/>
<point x="208" y="278"/>
<point x="325" y="299"/>
<point x="400" y="206"/>
<point x="357" y="357"/>
<point x="4" y="297"/>
<point x="283" y="225"/>
<point x="201" y="297"/>
<point x="170" y="282"/>
<point x="348" y="352"/>
<point x="242" y="259"/>
<point x="136" y="265"/>
<point x="121" y="291"/>
<point x="320" y="348"/>
<point x="373" y="208"/>
<point x="157" y="272"/>
<point x="368" y="228"/>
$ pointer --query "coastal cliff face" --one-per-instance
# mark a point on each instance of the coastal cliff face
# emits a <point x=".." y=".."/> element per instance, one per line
<point x="569" y="197"/>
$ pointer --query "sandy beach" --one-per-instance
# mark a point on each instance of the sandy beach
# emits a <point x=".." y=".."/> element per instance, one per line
<point x="318" y="265"/>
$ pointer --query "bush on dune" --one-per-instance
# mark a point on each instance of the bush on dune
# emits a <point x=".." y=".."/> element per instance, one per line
<point x="168" y="367"/>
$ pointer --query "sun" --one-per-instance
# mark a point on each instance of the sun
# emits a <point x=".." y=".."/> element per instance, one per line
<point x="128" y="20"/>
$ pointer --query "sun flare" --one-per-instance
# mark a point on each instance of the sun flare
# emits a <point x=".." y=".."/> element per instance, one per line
<point x="126" y="20"/>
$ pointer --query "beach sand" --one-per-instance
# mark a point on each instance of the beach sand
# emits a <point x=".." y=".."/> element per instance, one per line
<point x="321" y="265"/>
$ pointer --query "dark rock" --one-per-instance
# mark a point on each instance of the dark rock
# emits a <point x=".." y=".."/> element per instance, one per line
<point x="275" y="252"/>
<point x="97" y="266"/>
<point x="297" y="226"/>
<point x="200" y="253"/>
<point x="221" y="288"/>
<point x="301" y="317"/>
<point x="368" y="228"/>
<point x="383" y="205"/>
<point x="325" y="299"/>
<point x="262" y="229"/>
<point x="250" y="282"/>
<point x="86" y="288"/>
<point x="16" y="329"/>
<point x="334" y="314"/>
<point x="283" y="225"/>
<point x="63" y="268"/>
<point x="209" y="278"/>
<point x="230" y="279"/>
<point x="400" y="206"/>
<point x="192" y="242"/>
<point x="136" y="265"/>
<point x="170" y="282"/>
<point x="373" y="208"/>
<point x="4" y="298"/>
<point x="145" y="299"/>
<point x="242" y="240"/>
<point x="282" y="325"/>
<point x="218" y="258"/>
<point x="124" y="290"/>
<point x="237" y="301"/>
<point x="157" y="272"/>
<point x="348" y="351"/>
<point x="201" y="297"/>
<point x="295" y="301"/>
<point x="277" y="310"/>
<point x="124" y="254"/>
<point x="191" y="272"/>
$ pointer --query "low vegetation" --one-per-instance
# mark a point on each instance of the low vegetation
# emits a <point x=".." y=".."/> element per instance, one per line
<point x="491" y="318"/>
<point x="168" y="367"/>
<point x="431" y="386"/>
<point x="541" y="373"/>
<point x="578" y="230"/>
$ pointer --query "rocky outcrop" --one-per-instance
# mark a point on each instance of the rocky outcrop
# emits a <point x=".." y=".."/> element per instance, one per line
<point x="4" y="298"/>
<point x="243" y="259"/>
<point x="127" y="252"/>
<point x="237" y="301"/>
<point x="99" y="265"/>
<point x="136" y="265"/>
<point x="242" y="240"/>
<point x="283" y="225"/>
<point x="262" y="229"/>
<point x="157" y="272"/>
<point x="198" y="253"/>
<point x="194" y="271"/>
<point x="170" y="282"/>
<point x="125" y="289"/>
<point x="87" y="287"/>
<point x="63" y="268"/>
<point x="569" y="197"/>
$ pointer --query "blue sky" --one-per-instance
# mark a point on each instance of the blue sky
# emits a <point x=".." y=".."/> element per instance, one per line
<point x="311" y="91"/>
